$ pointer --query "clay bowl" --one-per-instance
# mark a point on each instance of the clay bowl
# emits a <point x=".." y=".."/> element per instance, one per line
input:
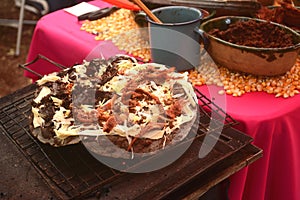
<point x="288" y="16"/>
<point x="253" y="60"/>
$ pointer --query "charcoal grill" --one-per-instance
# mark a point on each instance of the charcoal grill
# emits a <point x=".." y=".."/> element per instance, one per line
<point x="73" y="173"/>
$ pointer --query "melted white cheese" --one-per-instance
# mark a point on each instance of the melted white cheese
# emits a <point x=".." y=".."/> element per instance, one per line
<point x="102" y="70"/>
<point x="65" y="79"/>
<point x="37" y="119"/>
<point x="154" y="134"/>
<point x="65" y="131"/>
<point x="80" y="69"/>
<point x="64" y="123"/>
<point x="189" y="92"/>
<point x="116" y="84"/>
<point x="48" y="78"/>
<point x="57" y="102"/>
<point x="123" y="130"/>
<point x="44" y="92"/>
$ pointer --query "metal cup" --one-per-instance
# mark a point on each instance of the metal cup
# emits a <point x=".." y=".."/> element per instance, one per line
<point x="174" y="42"/>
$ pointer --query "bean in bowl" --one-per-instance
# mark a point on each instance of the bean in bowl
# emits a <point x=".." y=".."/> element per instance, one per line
<point x="255" y="34"/>
<point x="250" y="45"/>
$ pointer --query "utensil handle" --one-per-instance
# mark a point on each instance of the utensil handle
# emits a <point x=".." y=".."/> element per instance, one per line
<point x="147" y="11"/>
<point x="203" y="36"/>
<point x="124" y="4"/>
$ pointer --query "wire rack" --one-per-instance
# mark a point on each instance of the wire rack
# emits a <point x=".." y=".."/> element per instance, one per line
<point x="73" y="175"/>
<point x="70" y="175"/>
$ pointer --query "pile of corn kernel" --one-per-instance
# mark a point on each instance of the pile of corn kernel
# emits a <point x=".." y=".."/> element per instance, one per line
<point x="135" y="41"/>
<point x="129" y="37"/>
<point x="237" y="83"/>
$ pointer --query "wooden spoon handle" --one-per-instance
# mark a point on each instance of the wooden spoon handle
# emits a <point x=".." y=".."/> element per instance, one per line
<point x="147" y="11"/>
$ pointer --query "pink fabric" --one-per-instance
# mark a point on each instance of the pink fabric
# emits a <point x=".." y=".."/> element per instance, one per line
<point x="58" y="37"/>
<point x="274" y="123"/>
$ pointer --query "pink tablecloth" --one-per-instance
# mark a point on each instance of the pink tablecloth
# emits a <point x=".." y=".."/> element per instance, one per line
<point x="274" y="123"/>
<point x="58" y="37"/>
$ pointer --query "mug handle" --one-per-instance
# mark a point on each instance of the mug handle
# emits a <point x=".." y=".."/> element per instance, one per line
<point x="203" y="36"/>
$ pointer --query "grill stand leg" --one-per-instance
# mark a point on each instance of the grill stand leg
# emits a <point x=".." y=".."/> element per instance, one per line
<point x="218" y="192"/>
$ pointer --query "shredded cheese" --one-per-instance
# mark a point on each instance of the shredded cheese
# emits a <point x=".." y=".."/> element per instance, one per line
<point x="37" y="119"/>
<point x="43" y="93"/>
<point x="57" y="102"/>
<point x="146" y="112"/>
<point x="48" y="78"/>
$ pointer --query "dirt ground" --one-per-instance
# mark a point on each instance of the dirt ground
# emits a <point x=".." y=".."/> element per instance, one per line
<point x="11" y="76"/>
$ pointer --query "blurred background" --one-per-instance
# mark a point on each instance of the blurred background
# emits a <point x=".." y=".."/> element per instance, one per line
<point x="11" y="76"/>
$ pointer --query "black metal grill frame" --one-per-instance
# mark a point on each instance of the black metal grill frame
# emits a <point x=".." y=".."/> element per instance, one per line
<point x="56" y="165"/>
<point x="73" y="175"/>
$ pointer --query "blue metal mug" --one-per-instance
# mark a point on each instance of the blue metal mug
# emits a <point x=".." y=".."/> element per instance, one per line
<point x="174" y="42"/>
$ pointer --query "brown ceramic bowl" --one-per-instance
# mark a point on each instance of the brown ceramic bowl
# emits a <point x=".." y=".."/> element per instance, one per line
<point x="253" y="60"/>
<point x="290" y="18"/>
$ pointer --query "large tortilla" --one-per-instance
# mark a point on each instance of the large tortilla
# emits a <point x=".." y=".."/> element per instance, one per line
<point x="115" y="107"/>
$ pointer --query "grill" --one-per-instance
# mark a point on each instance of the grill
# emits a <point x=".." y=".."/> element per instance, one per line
<point x="72" y="172"/>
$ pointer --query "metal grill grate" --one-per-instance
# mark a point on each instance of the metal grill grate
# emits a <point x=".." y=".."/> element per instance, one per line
<point x="71" y="174"/>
